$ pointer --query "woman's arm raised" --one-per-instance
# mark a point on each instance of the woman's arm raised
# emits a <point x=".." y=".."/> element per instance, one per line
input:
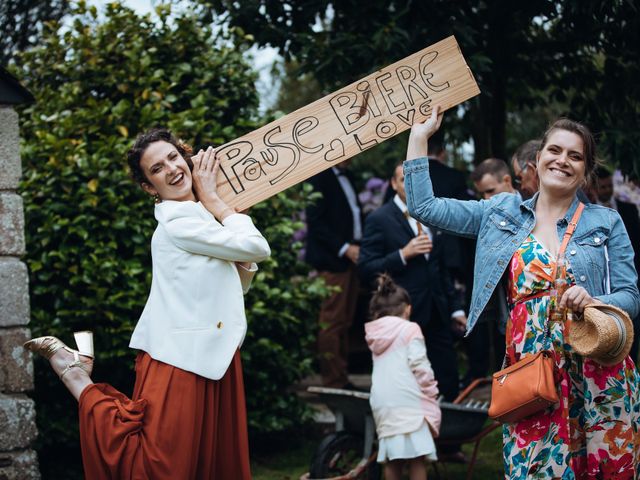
<point x="456" y="216"/>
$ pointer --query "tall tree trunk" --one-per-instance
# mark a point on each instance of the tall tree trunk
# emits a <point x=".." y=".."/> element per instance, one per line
<point x="480" y="113"/>
<point x="499" y="119"/>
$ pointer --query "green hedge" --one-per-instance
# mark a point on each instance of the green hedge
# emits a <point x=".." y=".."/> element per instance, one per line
<point x="99" y="80"/>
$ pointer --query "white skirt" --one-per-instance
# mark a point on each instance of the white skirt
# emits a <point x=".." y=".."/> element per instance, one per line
<point x="408" y="445"/>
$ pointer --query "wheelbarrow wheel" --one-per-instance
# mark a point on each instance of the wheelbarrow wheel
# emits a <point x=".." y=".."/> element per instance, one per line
<point x="338" y="454"/>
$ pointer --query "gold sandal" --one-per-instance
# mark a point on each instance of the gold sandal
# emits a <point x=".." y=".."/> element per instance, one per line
<point x="48" y="346"/>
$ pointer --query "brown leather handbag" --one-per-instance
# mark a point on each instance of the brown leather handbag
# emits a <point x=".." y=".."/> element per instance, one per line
<point x="528" y="386"/>
<point x="523" y="389"/>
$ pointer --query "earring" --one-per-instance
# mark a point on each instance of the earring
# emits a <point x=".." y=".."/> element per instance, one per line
<point x="156" y="198"/>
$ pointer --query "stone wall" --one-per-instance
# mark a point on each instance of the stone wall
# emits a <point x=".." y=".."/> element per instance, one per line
<point x="17" y="412"/>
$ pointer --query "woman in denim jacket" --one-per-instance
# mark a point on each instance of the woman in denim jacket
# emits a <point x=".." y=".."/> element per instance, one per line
<point x="593" y="430"/>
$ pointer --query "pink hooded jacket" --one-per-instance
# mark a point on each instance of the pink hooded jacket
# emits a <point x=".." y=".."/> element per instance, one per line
<point x="404" y="391"/>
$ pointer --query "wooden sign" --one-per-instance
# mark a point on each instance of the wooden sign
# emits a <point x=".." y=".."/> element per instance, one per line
<point x="342" y="124"/>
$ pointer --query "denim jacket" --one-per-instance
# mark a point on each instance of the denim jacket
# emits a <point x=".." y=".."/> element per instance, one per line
<point x="599" y="251"/>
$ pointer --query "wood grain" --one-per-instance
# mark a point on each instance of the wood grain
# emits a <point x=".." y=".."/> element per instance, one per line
<point x="342" y="124"/>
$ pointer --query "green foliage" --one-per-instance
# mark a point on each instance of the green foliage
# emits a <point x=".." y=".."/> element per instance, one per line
<point x="98" y="81"/>
<point x="20" y="23"/>
<point x="282" y="310"/>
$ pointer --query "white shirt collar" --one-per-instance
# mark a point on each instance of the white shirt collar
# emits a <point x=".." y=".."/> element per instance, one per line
<point x="399" y="203"/>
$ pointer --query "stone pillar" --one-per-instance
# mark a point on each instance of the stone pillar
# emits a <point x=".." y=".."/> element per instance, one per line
<point x="17" y="411"/>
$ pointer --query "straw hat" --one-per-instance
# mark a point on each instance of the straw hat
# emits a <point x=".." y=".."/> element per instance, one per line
<point x="604" y="334"/>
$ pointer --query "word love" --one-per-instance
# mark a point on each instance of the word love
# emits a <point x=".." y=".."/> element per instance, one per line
<point x="343" y="124"/>
<point x="400" y="90"/>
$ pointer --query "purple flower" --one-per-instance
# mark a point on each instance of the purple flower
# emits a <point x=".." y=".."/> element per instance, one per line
<point x="365" y="197"/>
<point x="375" y="183"/>
<point x="300" y="235"/>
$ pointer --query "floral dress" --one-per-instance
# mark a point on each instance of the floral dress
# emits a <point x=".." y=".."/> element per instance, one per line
<point x="592" y="433"/>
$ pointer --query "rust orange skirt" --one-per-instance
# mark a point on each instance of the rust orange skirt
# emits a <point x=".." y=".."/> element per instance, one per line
<point x="178" y="425"/>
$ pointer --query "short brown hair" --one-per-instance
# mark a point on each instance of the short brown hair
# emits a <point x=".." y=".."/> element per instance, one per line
<point x="388" y="298"/>
<point x="492" y="166"/>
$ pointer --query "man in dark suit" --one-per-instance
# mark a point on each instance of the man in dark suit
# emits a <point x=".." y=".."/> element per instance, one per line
<point x="414" y="255"/>
<point x="447" y="181"/>
<point x="334" y="226"/>
<point x="629" y="214"/>
<point x="451" y="183"/>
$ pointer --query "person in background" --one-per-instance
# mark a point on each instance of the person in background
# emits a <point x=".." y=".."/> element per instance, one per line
<point x="404" y="392"/>
<point x="187" y="417"/>
<point x="414" y="255"/>
<point x="447" y="181"/>
<point x="593" y="431"/>
<point x="525" y="174"/>
<point x="334" y="225"/>
<point x="492" y="176"/>
<point x="629" y="214"/>
<point x="451" y="183"/>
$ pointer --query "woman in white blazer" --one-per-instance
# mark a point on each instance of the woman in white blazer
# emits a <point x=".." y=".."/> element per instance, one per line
<point x="186" y="418"/>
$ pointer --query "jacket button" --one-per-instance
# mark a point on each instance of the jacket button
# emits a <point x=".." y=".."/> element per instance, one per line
<point x="597" y="239"/>
<point x="219" y="325"/>
<point x="503" y="223"/>
<point x="572" y="252"/>
<point x="583" y="278"/>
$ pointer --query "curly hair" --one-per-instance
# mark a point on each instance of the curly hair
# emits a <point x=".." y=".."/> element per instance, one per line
<point x="134" y="155"/>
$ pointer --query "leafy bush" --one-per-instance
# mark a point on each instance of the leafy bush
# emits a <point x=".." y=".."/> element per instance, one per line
<point x="98" y="81"/>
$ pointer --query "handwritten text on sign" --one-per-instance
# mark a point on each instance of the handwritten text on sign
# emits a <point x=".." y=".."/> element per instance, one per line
<point x="343" y="124"/>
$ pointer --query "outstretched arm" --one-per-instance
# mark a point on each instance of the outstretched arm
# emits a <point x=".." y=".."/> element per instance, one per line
<point x="462" y="217"/>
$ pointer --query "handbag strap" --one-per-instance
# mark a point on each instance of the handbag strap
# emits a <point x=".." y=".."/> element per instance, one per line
<point x="571" y="227"/>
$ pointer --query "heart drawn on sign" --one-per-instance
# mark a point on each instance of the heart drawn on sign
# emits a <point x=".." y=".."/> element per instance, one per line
<point x="336" y="150"/>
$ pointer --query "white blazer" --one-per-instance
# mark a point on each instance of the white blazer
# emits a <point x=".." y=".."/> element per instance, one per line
<point x="194" y="318"/>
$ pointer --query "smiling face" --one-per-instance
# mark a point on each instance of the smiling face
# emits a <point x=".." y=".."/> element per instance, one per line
<point x="561" y="163"/>
<point x="167" y="173"/>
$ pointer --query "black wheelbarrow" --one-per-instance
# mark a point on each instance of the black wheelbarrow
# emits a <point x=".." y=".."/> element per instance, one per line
<point x="350" y="452"/>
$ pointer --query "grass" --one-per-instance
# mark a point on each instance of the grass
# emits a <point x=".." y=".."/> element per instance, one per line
<point x="288" y="457"/>
<point x="284" y="456"/>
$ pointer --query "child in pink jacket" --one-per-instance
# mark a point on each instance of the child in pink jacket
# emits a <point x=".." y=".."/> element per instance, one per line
<point x="404" y="391"/>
